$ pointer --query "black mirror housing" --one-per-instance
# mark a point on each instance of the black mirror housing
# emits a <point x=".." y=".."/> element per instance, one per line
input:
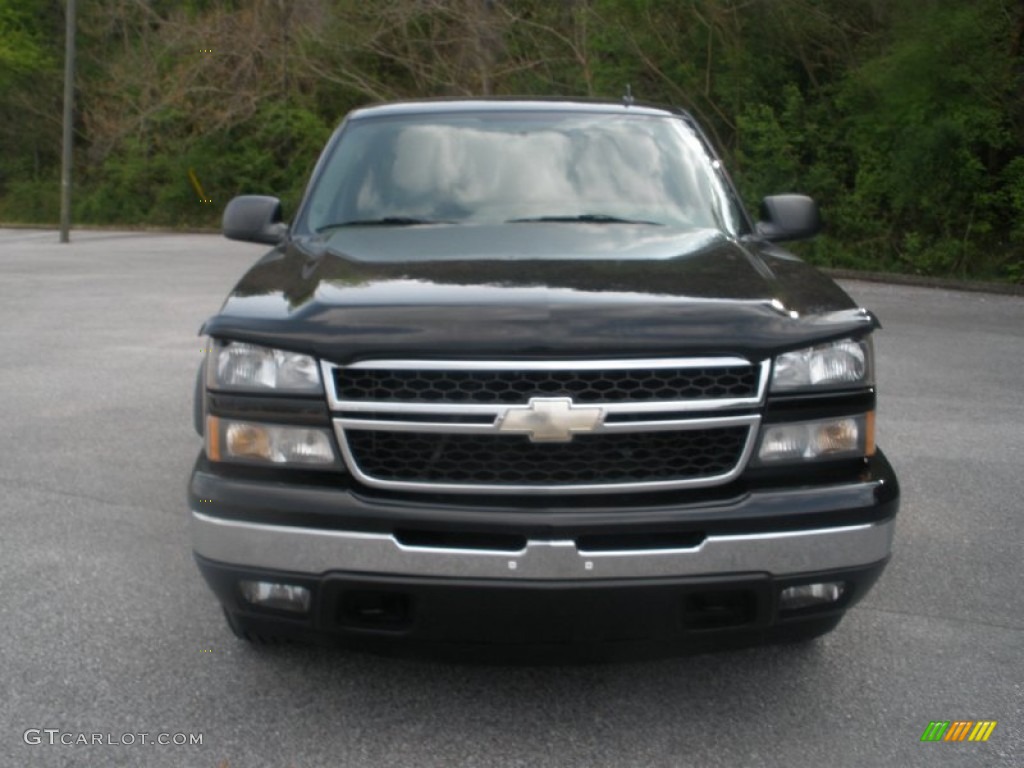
<point x="788" y="217"/>
<point x="254" y="219"/>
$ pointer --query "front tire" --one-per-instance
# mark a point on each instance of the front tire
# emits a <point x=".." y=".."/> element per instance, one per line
<point x="239" y="629"/>
<point x="809" y="630"/>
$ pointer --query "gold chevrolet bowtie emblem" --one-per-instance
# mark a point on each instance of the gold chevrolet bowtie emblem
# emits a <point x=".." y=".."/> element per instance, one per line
<point x="550" y="419"/>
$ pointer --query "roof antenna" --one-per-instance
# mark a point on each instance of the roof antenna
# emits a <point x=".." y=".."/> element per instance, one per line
<point x="627" y="98"/>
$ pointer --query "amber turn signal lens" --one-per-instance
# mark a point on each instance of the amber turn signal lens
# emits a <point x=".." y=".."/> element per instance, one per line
<point x="837" y="438"/>
<point x="213" y="438"/>
<point x="249" y="441"/>
<point x="228" y="440"/>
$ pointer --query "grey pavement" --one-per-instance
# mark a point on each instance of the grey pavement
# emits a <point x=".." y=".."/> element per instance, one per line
<point x="106" y="626"/>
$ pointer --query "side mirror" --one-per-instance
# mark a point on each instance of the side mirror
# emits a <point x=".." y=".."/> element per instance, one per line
<point x="788" y="217"/>
<point x="254" y="219"/>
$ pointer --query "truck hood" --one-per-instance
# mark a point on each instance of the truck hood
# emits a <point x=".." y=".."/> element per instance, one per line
<point x="533" y="290"/>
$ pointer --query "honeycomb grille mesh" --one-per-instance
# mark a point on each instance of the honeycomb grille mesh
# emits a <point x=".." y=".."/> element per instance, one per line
<point x="468" y="459"/>
<point x="512" y="387"/>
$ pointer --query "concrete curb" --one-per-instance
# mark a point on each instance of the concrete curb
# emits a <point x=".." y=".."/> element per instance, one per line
<point x="896" y="278"/>
<point x="116" y="228"/>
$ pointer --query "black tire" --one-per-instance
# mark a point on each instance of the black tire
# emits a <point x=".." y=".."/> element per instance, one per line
<point x="809" y="630"/>
<point x="238" y="628"/>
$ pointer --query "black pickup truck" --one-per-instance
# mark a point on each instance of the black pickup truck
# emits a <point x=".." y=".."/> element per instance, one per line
<point x="525" y="373"/>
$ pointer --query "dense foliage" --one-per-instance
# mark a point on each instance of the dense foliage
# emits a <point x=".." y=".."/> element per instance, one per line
<point x="904" y="119"/>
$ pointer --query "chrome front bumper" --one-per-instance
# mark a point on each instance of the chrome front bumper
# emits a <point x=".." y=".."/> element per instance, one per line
<point x="319" y="551"/>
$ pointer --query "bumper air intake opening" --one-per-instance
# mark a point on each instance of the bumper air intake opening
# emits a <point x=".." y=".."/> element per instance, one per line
<point x="375" y="610"/>
<point x="718" y="609"/>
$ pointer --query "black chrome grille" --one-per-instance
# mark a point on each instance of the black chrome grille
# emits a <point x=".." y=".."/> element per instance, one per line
<point x="654" y="424"/>
<point x="518" y="386"/>
<point x="480" y="460"/>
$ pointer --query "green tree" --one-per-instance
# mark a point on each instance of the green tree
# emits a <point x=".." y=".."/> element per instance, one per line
<point x="29" y="109"/>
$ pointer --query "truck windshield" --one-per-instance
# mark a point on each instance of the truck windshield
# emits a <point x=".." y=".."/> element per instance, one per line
<point x="497" y="167"/>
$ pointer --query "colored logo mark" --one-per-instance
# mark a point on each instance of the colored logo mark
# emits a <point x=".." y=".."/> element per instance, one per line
<point x="959" y="730"/>
<point x="199" y="190"/>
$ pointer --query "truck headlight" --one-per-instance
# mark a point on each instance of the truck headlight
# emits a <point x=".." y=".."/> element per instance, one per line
<point x="848" y="362"/>
<point x="238" y="366"/>
<point x="838" y="438"/>
<point x="252" y="442"/>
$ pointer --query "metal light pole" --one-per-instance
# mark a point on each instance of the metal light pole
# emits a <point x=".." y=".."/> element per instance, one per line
<point x="69" y="96"/>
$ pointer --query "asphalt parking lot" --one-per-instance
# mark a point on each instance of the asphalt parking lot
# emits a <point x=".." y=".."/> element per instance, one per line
<point x="106" y="626"/>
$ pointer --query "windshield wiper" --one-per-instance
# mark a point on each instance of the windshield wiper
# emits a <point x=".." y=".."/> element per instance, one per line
<point x="384" y="221"/>
<point x="589" y="218"/>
